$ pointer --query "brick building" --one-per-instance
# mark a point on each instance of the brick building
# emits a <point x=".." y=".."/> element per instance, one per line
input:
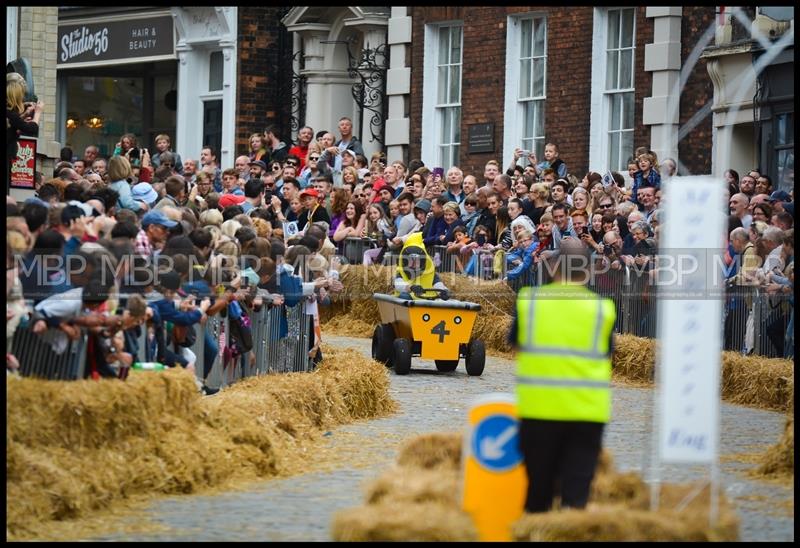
<point x="599" y="82"/>
<point x="709" y="86"/>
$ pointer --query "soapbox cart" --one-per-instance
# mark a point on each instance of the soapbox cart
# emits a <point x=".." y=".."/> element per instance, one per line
<point x="436" y="330"/>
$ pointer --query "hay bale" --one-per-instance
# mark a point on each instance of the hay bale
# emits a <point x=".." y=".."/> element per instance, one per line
<point x="429" y="451"/>
<point x="74" y="447"/>
<point x="766" y="383"/>
<point x="403" y="522"/>
<point x="618" y="522"/>
<point x="759" y="382"/>
<point x="779" y="459"/>
<point x="400" y="504"/>
<point x="396" y="485"/>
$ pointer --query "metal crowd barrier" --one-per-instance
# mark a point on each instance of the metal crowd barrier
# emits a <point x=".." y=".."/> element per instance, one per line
<point x="354" y="248"/>
<point x="273" y="353"/>
<point x="639" y="305"/>
<point x="444" y="261"/>
<point x="770" y="321"/>
<point x="391" y="258"/>
<point x="37" y="358"/>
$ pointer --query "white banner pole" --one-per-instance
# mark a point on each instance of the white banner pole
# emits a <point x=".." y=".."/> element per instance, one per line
<point x="690" y="314"/>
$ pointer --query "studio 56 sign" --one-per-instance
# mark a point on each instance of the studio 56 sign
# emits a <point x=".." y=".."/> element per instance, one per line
<point x="130" y="40"/>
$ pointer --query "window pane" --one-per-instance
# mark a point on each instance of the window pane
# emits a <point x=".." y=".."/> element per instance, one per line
<point x="539" y="148"/>
<point x="455" y="150"/>
<point x="626" y="149"/>
<point x="539" y="37"/>
<point x="611" y="70"/>
<point x="628" y="111"/>
<point x="527" y="144"/>
<point x="539" y="117"/>
<point x="444" y="45"/>
<point x="455" y="45"/>
<point x="526" y="38"/>
<point x="613" y="30"/>
<point x="538" y="77"/>
<point x="525" y="78"/>
<point x="529" y="124"/>
<point x="444" y="156"/>
<point x="616" y="105"/>
<point x="626" y="40"/>
<point x="613" y="151"/>
<point x="455" y="84"/>
<point x="456" y="124"/>
<point x="215" y="71"/>
<point x="626" y="69"/>
<point x="441" y="97"/>
<point x="444" y="136"/>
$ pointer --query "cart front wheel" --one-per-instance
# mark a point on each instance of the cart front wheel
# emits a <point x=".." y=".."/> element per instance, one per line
<point x="382" y="339"/>
<point x="476" y="358"/>
<point x="446" y="366"/>
<point x="402" y="356"/>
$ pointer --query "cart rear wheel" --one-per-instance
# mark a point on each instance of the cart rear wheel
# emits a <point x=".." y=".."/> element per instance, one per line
<point x="446" y="366"/>
<point x="382" y="339"/>
<point x="402" y="356"/>
<point x="476" y="358"/>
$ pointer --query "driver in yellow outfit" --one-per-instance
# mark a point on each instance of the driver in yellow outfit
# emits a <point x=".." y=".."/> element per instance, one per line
<point x="415" y="268"/>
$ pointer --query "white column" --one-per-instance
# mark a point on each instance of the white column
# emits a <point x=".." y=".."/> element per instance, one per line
<point x="374" y="37"/>
<point x="663" y="59"/>
<point x="317" y="93"/>
<point x="398" y="86"/>
<point x="228" y="148"/>
<point x="188" y="123"/>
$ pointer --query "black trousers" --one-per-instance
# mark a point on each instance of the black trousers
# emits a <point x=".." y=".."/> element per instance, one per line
<point x="560" y="457"/>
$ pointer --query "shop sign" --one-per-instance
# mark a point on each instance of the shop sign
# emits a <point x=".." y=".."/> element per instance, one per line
<point x="24" y="166"/>
<point x="117" y="41"/>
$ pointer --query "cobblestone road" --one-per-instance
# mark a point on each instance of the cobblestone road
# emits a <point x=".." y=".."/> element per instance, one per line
<point x="301" y="508"/>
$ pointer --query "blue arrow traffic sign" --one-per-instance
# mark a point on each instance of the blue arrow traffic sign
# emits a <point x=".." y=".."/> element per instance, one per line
<point x="495" y="443"/>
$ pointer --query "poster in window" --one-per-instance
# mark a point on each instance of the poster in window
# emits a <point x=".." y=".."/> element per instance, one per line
<point x="24" y="166"/>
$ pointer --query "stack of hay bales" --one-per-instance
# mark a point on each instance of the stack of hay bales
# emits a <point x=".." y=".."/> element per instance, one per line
<point x="75" y="447"/>
<point x="755" y="381"/>
<point x="418" y="500"/>
<point x="354" y="312"/>
<point x="778" y="461"/>
<point x="415" y="500"/>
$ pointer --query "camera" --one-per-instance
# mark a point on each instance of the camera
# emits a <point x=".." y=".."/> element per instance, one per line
<point x="584" y="230"/>
<point x="134" y="153"/>
<point x="608" y="250"/>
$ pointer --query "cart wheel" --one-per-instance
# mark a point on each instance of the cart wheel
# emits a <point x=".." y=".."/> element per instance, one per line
<point x="382" y="339"/>
<point x="476" y="358"/>
<point x="402" y="356"/>
<point x="446" y="366"/>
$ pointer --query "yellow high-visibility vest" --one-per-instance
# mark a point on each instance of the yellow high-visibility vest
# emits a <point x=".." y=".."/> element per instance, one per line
<point x="564" y="362"/>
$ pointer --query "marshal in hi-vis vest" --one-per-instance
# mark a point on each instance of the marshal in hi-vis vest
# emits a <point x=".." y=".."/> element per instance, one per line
<point x="564" y="370"/>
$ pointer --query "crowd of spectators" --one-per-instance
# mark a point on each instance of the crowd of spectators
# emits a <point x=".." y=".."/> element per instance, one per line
<point x="139" y="241"/>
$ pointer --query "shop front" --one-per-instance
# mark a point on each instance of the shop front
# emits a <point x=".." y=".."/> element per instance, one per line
<point x="116" y="74"/>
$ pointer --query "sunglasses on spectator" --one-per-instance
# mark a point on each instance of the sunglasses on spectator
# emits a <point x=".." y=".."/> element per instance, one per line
<point x="605" y="206"/>
<point x="313" y="158"/>
<point x="292" y="163"/>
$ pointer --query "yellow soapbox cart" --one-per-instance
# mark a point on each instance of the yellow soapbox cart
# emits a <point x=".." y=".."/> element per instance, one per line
<point x="436" y="330"/>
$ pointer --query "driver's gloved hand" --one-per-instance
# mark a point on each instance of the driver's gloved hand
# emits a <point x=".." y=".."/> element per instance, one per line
<point x="417" y="290"/>
<point x="444" y="294"/>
